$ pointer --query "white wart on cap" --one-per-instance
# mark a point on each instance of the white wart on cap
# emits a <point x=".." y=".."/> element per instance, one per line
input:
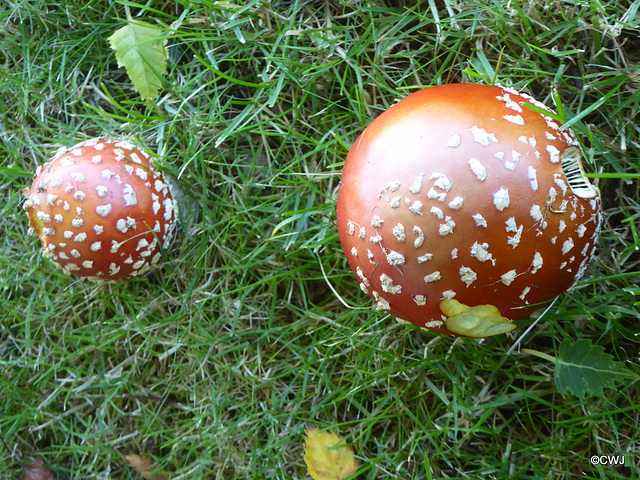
<point x="461" y="209"/>
<point x="102" y="210"/>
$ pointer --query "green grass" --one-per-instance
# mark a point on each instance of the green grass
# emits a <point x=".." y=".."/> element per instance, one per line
<point x="214" y="363"/>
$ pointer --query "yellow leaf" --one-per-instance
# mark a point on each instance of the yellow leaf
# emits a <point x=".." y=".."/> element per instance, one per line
<point x="144" y="465"/>
<point x="326" y="456"/>
<point x="478" y="322"/>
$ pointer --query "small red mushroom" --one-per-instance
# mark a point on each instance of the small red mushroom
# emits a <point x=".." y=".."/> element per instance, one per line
<point x="101" y="209"/>
<point x="460" y="209"/>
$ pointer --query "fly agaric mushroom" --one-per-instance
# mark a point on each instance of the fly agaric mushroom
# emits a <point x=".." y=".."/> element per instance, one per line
<point x="101" y="209"/>
<point x="461" y="209"/>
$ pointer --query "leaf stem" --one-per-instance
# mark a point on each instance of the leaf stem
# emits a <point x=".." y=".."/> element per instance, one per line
<point x="128" y="13"/>
<point x="551" y="358"/>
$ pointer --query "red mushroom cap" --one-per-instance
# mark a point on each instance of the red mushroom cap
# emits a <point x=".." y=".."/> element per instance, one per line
<point x="101" y="209"/>
<point x="461" y="209"/>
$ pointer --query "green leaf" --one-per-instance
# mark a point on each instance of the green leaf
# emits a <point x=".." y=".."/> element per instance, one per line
<point x="141" y="50"/>
<point x="584" y="369"/>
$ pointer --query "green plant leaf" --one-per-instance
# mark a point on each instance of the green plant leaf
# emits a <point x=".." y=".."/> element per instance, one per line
<point x="141" y="50"/>
<point x="584" y="369"/>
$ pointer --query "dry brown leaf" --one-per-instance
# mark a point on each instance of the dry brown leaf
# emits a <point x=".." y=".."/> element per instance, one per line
<point x="144" y="465"/>
<point x="326" y="456"/>
<point x="37" y="470"/>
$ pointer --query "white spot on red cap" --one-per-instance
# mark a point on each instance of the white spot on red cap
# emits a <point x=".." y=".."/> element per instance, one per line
<point x="515" y="119"/>
<point x="508" y="277"/>
<point x="395" y="258"/>
<point x="417" y="243"/>
<point x="125" y="224"/>
<point x="513" y="227"/>
<point x="537" y="262"/>
<point x="142" y="173"/>
<point x="536" y="213"/>
<point x="467" y="275"/>
<point x="436" y="195"/>
<point x="160" y="186"/>
<point x="416" y="207"/>
<point x="447" y="227"/>
<point x="511" y="104"/>
<point x="139" y="264"/>
<point x="478" y="169"/>
<point x="420" y="300"/>
<point x="533" y="177"/>
<point x="581" y="230"/>
<point x="376" y="221"/>
<point x="561" y="226"/>
<point x="78" y="177"/>
<point x="567" y="246"/>
<point x="554" y="153"/>
<point x="103" y="210"/>
<point x="433" y="277"/>
<point x="480" y="220"/>
<point x="441" y="181"/>
<point x="399" y="232"/>
<point x="481" y="136"/>
<point x="388" y="286"/>
<point x="156" y="203"/>
<point x="481" y="252"/>
<point x="501" y="199"/>
<point x="381" y="303"/>
<point x="437" y="212"/>
<point x="417" y="184"/>
<point x="456" y="203"/>
<point x="129" y="195"/>
<point x="425" y="258"/>
<point x="43" y="217"/>
<point x="101" y="190"/>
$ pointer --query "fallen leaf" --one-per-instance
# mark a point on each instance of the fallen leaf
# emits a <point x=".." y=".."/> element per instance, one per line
<point x="37" y="470"/>
<point x="478" y="322"/>
<point x="141" y="49"/>
<point x="144" y="465"/>
<point x="585" y="369"/>
<point x="327" y="457"/>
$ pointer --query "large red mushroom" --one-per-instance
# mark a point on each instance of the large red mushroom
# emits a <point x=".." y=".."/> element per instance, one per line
<point x="101" y="209"/>
<point x="461" y="209"/>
